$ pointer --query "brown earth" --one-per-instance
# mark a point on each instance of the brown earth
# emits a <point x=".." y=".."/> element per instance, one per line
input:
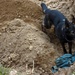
<point x="22" y="40"/>
<point x="23" y="9"/>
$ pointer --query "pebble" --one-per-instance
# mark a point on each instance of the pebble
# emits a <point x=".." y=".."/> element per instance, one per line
<point x="13" y="55"/>
<point x="30" y="47"/>
<point x="13" y="72"/>
<point x="9" y="43"/>
<point x="26" y="16"/>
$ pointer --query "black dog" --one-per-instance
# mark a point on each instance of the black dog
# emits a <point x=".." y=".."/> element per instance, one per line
<point x="64" y="29"/>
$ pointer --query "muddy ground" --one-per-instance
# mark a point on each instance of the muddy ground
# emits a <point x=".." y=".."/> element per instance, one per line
<point x="22" y="41"/>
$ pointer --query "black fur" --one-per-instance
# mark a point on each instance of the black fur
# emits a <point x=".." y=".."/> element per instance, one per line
<point x="64" y="29"/>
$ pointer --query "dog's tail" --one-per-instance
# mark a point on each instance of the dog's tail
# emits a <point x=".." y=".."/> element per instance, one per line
<point x="44" y="7"/>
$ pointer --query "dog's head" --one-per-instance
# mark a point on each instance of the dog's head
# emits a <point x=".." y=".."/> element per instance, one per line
<point x="70" y="30"/>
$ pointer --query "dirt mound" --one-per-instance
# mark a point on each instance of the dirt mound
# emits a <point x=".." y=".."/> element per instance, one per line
<point x="21" y="43"/>
<point x="23" y="9"/>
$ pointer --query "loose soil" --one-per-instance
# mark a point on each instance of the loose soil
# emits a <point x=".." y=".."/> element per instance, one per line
<point x="22" y="41"/>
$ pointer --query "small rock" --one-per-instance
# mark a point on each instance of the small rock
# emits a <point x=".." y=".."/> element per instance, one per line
<point x="13" y="72"/>
<point x="30" y="39"/>
<point x="9" y="43"/>
<point x="26" y="16"/>
<point x="18" y="34"/>
<point x="31" y="47"/>
<point x="14" y="56"/>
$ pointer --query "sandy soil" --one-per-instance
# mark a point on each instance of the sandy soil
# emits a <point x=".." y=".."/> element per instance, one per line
<point x="22" y="40"/>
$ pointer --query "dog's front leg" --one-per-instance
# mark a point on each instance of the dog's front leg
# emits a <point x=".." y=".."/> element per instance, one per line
<point x="43" y="29"/>
<point x="70" y="47"/>
<point x="63" y="46"/>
